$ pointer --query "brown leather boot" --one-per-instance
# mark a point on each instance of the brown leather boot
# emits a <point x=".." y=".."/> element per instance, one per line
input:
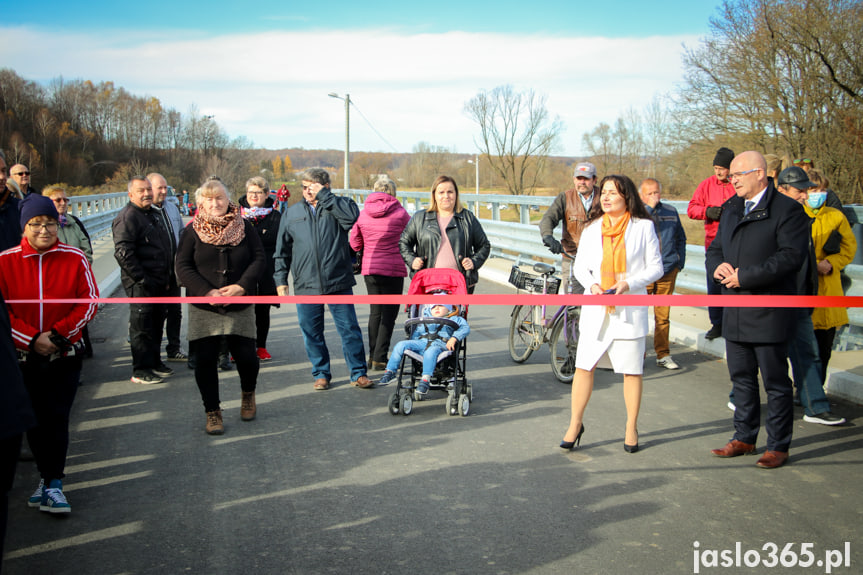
<point x="214" y="423"/>
<point x="248" y="409"/>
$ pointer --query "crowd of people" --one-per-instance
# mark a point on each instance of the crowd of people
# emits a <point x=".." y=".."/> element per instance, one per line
<point x="767" y="232"/>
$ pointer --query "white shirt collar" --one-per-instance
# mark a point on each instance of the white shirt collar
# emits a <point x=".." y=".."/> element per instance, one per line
<point x="756" y="198"/>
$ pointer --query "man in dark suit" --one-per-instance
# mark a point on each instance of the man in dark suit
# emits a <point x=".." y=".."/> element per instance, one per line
<point x="757" y="251"/>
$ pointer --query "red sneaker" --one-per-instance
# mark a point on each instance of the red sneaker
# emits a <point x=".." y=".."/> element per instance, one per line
<point x="263" y="354"/>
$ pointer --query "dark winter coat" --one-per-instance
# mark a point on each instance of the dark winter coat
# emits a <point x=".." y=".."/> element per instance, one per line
<point x="143" y="248"/>
<point x="313" y="245"/>
<point x="10" y="225"/>
<point x="672" y="236"/>
<point x="16" y="414"/>
<point x="203" y="267"/>
<point x="267" y="229"/>
<point x="768" y="247"/>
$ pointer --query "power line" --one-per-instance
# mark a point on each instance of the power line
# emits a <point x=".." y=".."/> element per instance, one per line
<point x="373" y="128"/>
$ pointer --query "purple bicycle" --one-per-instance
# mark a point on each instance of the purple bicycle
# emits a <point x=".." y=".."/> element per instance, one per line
<point x="530" y="326"/>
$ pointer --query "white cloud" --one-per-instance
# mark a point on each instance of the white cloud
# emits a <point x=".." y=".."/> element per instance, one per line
<point x="272" y="87"/>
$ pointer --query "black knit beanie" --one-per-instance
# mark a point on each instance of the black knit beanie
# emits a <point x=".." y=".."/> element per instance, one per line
<point x="723" y="157"/>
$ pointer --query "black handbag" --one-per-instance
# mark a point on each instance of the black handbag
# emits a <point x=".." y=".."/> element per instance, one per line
<point x="833" y="243"/>
<point x="357" y="262"/>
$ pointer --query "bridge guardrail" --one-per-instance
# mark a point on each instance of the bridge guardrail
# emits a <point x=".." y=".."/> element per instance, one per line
<point x="521" y="242"/>
<point x="97" y="211"/>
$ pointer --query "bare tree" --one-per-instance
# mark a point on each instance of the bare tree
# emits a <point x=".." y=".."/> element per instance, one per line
<point x="655" y="134"/>
<point x="598" y="144"/>
<point x="783" y="76"/>
<point x="516" y="134"/>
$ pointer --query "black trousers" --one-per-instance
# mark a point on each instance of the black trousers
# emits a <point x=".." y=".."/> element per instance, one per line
<point x="52" y="387"/>
<point x="745" y="360"/>
<point x="825" y="338"/>
<point x="382" y="317"/>
<point x="145" y="328"/>
<point x="10" y="447"/>
<point x="173" y="320"/>
<point x="206" y="353"/>
<point x="714" y="288"/>
<point x="262" y="323"/>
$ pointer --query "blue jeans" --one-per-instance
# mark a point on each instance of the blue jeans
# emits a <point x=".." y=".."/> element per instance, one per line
<point x="430" y="354"/>
<point x="806" y="365"/>
<point x="311" y="317"/>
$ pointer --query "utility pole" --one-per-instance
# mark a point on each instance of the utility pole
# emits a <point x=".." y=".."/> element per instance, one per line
<point x="347" y="100"/>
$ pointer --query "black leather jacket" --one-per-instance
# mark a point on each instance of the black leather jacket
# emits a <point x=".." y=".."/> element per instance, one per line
<point x="421" y="238"/>
<point x="143" y="248"/>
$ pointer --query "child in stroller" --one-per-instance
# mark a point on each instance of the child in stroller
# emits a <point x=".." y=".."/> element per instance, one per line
<point x="444" y="367"/>
<point x="430" y="340"/>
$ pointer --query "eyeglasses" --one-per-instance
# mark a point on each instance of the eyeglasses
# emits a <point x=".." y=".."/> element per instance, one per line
<point x="49" y="227"/>
<point x="738" y="175"/>
<point x="254" y="193"/>
<point x="22" y="174"/>
<point x="803" y="161"/>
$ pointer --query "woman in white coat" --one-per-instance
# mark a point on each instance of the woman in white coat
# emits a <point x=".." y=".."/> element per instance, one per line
<point x="618" y="253"/>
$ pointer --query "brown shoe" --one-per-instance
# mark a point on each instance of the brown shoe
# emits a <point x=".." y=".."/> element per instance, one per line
<point x="772" y="459"/>
<point x="248" y="408"/>
<point x="364" y="382"/>
<point x="322" y="383"/>
<point x="734" y="448"/>
<point x="378" y="365"/>
<point x="214" y="423"/>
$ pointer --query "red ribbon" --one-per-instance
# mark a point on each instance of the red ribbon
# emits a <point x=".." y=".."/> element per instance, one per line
<point x="677" y="300"/>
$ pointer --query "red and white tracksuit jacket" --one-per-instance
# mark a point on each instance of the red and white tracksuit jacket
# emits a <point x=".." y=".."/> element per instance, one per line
<point x="60" y="272"/>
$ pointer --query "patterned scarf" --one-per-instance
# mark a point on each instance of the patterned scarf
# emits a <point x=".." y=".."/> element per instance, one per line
<point x="255" y="215"/>
<point x="227" y="230"/>
<point x="613" y="253"/>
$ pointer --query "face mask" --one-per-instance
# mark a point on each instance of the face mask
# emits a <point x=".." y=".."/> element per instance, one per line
<point x="816" y="199"/>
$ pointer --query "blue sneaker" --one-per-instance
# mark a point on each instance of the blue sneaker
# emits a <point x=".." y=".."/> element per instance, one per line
<point x="36" y="499"/>
<point x="387" y="377"/>
<point x="423" y="387"/>
<point x="53" y="500"/>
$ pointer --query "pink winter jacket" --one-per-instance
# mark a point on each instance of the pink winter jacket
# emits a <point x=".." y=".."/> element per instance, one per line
<point x="377" y="232"/>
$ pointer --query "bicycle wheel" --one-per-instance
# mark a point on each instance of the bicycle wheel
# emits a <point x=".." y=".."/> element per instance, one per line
<point x="563" y="345"/>
<point x="521" y="333"/>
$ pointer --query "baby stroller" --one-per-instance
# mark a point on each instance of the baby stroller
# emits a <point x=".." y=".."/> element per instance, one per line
<point x="449" y="374"/>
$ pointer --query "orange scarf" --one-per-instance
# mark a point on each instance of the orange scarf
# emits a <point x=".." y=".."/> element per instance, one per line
<point x="613" y="253"/>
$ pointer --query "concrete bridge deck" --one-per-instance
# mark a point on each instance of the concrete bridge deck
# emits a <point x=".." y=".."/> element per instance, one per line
<point x="330" y="482"/>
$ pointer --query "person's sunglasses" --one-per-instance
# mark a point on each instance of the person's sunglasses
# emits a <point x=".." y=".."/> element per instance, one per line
<point x="803" y="161"/>
<point x="22" y="174"/>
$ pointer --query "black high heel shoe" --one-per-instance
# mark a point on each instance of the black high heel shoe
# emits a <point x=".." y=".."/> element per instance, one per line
<point x="630" y="448"/>
<point x="571" y="444"/>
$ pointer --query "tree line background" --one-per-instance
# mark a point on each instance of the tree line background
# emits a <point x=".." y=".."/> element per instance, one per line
<point x="778" y="76"/>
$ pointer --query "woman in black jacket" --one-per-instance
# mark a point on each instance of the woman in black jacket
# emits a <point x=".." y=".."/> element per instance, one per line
<point x="257" y="207"/>
<point x="220" y="255"/>
<point x="464" y="247"/>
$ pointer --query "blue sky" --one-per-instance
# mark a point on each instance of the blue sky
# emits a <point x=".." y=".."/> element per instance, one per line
<point x="264" y="68"/>
<point x="613" y="18"/>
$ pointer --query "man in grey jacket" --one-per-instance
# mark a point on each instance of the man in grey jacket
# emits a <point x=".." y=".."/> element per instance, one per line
<point x="170" y="215"/>
<point x="313" y="246"/>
